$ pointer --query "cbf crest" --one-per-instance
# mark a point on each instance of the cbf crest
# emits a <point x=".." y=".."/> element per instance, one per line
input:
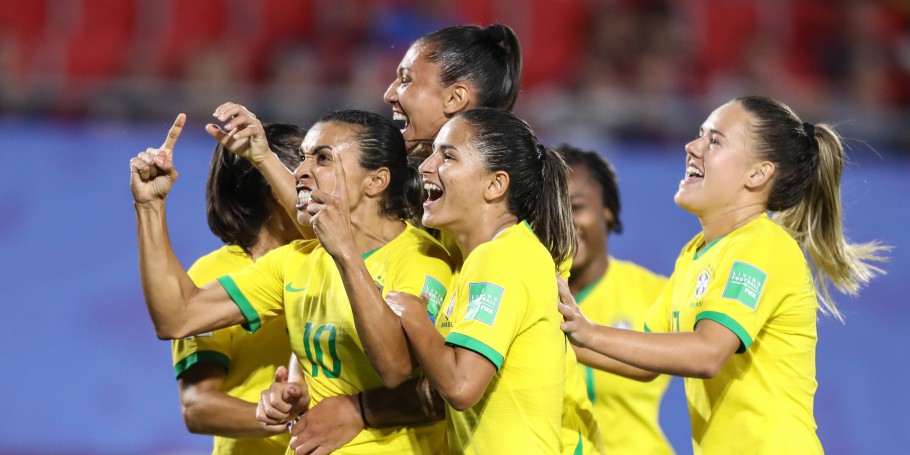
<point x="701" y="284"/>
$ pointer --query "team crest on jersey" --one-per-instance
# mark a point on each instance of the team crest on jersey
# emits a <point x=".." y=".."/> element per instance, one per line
<point x="745" y="284"/>
<point x="451" y="307"/>
<point x="483" y="302"/>
<point x="701" y="284"/>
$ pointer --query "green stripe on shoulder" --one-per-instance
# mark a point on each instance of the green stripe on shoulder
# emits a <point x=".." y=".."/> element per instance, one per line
<point x="730" y="323"/>
<point x="647" y="330"/>
<point x="199" y="357"/>
<point x="252" y="317"/>
<point x="464" y="341"/>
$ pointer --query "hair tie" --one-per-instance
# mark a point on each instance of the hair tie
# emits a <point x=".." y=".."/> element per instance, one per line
<point x="541" y="152"/>
<point x="810" y="131"/>
<point x="496" y="33"/>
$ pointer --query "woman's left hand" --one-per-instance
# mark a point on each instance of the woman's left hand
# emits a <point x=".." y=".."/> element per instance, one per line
<point x="577" y="327"/>
<point x="331" y="215"/>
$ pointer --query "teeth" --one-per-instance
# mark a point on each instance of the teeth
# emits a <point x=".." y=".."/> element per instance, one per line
<point x="692" y="171"/>
<point x="398" y="116"/>
<point x="304" y="196"/>
<point x="430" y="186"/>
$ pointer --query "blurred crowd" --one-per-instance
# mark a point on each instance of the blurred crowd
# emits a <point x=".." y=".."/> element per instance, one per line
<point x="596" y="71"/>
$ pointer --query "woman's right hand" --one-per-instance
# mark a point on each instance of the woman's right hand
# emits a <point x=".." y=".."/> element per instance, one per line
<point x="242" y="134"/>
<point x="152" y="172"/>
<point x="282" y="403"/>
<point x="578" y="328"/>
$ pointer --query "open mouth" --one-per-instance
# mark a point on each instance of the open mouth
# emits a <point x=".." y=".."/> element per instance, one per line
<point x="434" y="192"/>
<point x="400" y="119"/>
<point x="304" y="194"/>
<point x="693" y="172"/>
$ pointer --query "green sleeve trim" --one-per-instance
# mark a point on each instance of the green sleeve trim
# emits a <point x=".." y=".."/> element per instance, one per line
<point x="252" y="317"/>
<point x="647" y="330"/>
<point x="199" y="357"/>
<point x="580" y="447"/>
<point x="744" y="339"/>
<point x="464" y="341"/>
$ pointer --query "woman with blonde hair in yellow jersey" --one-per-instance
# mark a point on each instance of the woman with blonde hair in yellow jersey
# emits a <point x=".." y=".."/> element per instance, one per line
<point x="738" y="316"/>
<point x="299" y="281"/>
<point x="220" y="374"/>
<point x="614" y="293"/>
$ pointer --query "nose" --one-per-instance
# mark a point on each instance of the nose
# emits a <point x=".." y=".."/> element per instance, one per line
<point x="694" y="147"/>
<point x="391" y="94"/>
<point x="303" y="170"/>
<point x="429" y="165"/>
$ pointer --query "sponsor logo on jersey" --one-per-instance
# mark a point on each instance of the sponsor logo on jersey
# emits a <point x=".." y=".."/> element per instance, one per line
<point x="745" y="284"/>
<point x="701" y="284"/>
<point x="622" y="324"/>
<point x="201" y="335"/>
<point x="483" y="302"/>
<point x="290" y="288"/>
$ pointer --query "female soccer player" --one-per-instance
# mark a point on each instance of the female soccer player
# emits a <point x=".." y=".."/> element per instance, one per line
<point x="300" y="281"/>
<point x="615" y="293"/>
<point x="740" y="307"/>
<point x="444" y="73"/>
<point x="495" y="354"/>
<point x="220" y="374"/>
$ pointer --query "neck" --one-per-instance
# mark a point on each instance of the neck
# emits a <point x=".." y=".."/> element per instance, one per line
<point x="715" y="227"/>
<point x="267" y="240"/>
<point x="373" y="231"/>
<point x="583" y="277"/>
<point x="482" y="229"/>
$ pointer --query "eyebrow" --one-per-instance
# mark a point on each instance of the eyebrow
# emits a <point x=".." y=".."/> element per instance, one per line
<point x="713" y="131"/>
<point x="446" y="147"/>
<point x="319" y="148"/>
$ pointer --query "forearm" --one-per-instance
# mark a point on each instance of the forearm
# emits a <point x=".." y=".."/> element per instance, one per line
<point x="177" y="307"/>
<point x="165" y="283"/>
<point x="610" y="365"/>
<point x="414" y="402"/>
<point x="438" y="360"/>
<point x="378" y="327"/>
<point x="688" y="354"/>
<point x="284" y="185"/>
<point x="216" y="413"/>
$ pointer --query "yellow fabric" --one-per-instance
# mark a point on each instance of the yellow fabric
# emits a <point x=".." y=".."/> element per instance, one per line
<point x="579" y="422"/>
<point x="503" y="308"/>
<point x="249" y="359"/>
<point x="626" y="409"/>
<point x="755" y="281"/>
<point x="300" y="281"/>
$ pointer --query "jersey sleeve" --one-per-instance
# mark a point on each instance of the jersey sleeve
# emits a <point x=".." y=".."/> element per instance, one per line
<point x="205" y="347"/>
<point x="658" y="319"/>
<point x="258" y="289"/>
<point x="424" y="271"/>
<point x="496" y="301"/>
<point x="734" y="298"/>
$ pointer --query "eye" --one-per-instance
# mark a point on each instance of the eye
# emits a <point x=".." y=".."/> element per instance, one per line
<point x="447" y="156"/>
<point x="322" y="158"/>
<point x="713" y="141"/>
<point x="577" y="207"/>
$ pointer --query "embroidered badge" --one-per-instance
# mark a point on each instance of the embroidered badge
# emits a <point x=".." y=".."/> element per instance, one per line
<point x="483" y="302"/>
<point x="436" y="292"/>
<point x="701" y="284"/>
<point x="745" y="284"/>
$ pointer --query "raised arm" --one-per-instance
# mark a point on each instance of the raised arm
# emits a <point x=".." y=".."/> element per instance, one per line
<point x="461" y="376"/>
<point x="698" y="354"/>
<point x="244" y="136"/>
<point x="377" y="325"/>
<point x="177" y="307"/>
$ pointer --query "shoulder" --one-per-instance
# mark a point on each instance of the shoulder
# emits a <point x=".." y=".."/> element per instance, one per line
<point x="764" y="240"/>
<point x="627" y="270"/>
<point x="224" y="260"/>
<point x="516" y="251"/>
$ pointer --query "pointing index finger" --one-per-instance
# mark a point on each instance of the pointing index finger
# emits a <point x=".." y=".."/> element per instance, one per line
<point x="173" y="134"/>
<point x="341" y="188"/>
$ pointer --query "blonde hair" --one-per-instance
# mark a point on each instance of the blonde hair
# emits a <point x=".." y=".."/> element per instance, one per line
<point x="805" y="196"/>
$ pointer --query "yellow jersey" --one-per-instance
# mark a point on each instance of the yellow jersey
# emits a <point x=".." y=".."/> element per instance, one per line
<point x="249" y="360"/>
<point x="626" y="408"/>
<point x="301" y="283"/>
<point x="502" y="306"/>
<point x="756" y="282"/>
